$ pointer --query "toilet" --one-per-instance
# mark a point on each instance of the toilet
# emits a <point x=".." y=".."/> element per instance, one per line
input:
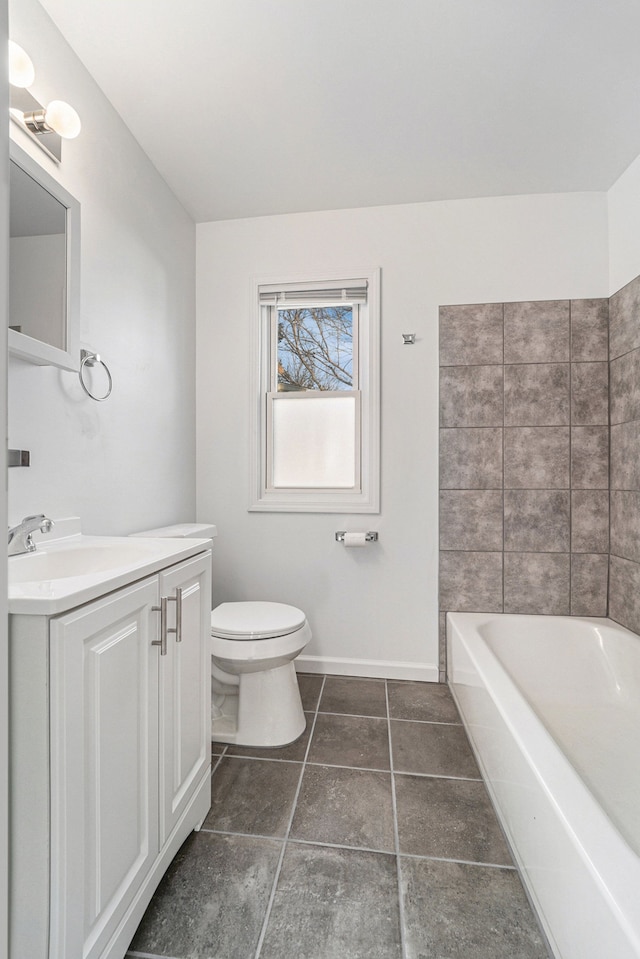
<point x="255" y="700"/>
<point x="255" y="695"/>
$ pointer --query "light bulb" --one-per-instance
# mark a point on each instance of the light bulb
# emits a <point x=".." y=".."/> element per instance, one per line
<point x="21" y="70"/>
<point x="63" y="119"/>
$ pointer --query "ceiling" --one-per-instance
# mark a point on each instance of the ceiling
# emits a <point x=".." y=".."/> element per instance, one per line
<point x="256" y="107"/>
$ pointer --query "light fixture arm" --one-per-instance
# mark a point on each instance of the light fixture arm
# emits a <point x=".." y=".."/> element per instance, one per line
<point x="35" y="121"/>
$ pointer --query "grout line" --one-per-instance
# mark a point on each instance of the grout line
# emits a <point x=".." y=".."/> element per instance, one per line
<point x="396" y="835"/>
<point x="304" y="842"/>
<point x="148" y="955"/>
<point x="461" y="862"/>
<point x="276" y="877"/>
<point x="264" y="759"/>
<point x="425" y="722"/>
<point x="324" y="712"/>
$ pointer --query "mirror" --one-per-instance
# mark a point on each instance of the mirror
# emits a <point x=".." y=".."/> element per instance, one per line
<point x="44" y="266"/>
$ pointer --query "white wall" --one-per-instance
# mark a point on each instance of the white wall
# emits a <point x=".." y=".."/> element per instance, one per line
<point x="127" y="463"/>
<point x="624" y="228"/>
<point x="380" y="603"/>
<point x="4" y="617"/>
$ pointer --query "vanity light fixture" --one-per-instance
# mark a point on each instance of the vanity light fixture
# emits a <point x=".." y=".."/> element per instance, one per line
<point x="21" y="69"/>
<point x="46" y="125"/>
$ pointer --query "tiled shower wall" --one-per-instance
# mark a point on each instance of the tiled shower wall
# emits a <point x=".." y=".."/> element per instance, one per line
<point x="624" y="342"/>
<point x="524" y="456"/>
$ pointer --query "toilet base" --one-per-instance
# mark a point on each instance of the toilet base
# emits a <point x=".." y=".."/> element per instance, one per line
<point x="266" y="711"/>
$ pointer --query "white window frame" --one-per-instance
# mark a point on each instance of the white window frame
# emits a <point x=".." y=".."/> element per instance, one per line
<point x="365" y="498"/>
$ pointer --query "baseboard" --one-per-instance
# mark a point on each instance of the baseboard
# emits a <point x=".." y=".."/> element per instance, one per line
<point x="371" y="668"/>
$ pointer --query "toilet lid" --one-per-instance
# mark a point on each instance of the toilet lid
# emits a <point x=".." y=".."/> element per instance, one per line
<point x="255" y="620"/>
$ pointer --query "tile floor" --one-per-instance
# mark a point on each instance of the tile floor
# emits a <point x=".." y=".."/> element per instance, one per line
<point x="370" y="837"/>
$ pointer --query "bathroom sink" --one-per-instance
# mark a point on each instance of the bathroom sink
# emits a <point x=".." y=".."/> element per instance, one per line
<point x="74" y="569"/>
<point x="75" y="560"/>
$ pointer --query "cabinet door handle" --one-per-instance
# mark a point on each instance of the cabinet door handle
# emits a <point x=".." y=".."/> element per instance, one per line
<point x="177" y="599"/>
<point x="179" y="614"/>
<point x="162" y="642"/>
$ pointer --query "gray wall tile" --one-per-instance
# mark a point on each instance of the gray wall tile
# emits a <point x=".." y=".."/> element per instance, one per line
<point x="625" y="387"/>
<point x="442" y="644"/>
<point x="536" y="457"/>
<point x="590" y="457"/>
<point x="590" y="521"/>
<point x="625" y="456"/>
<point x="536" y="395"/>
<point x="536" y="332"/>
<point x="536" y="521"/>
<point x="624" y="319"/>
<point x="589" y="394"/>
<point x="471" y="519"/>
<point x="546" y="551"/>
<point x="471" y="458"/>
<point x="589" y="329"/>
<point x="471" y="334"/>
<point x="625" y="524"/>
<point x="537" y="583"/>
<point x="471" y="395"/>
<point x="589" y="584"/>
<point x="624" y="592"/>
<point x="471" y="582"/>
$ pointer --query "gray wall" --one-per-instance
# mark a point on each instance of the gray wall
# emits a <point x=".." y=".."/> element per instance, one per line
<point x="624" y="590"/>
<point x="524" y="446"/>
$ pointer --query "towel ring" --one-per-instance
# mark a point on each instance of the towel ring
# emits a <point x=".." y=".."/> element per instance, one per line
<point x="93" y="359"/>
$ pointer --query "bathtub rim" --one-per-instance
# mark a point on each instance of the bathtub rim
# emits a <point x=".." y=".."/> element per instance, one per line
<point x="593" y="845"/>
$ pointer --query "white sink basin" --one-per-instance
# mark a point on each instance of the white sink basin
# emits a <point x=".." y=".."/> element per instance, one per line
<point x="76" y="569"/>
<point x="76" y="560"/>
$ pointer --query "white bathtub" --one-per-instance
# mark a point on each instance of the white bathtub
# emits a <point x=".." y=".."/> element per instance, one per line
<point x="552" y="707"/>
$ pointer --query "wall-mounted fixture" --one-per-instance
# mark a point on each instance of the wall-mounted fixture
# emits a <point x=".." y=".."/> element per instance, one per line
<point x="19" y="458"/>
<point x="408" y="339"/>
<point x="46" y="125"/>
<point x="89" y="359"/>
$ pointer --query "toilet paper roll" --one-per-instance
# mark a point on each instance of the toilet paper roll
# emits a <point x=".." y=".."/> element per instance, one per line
<point x="355" y="539"/>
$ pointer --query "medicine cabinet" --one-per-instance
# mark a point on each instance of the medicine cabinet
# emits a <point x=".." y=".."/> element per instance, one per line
<point x="44" y="266"/>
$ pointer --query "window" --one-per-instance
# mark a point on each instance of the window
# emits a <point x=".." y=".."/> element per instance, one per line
<point x="316" y="405"/>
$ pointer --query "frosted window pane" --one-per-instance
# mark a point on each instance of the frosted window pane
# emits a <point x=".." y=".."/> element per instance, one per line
<point x="314" y="442"/>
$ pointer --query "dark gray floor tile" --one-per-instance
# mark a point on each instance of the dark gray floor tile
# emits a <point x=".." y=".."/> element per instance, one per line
<point x="358" y="697"/>
<point x="433" y="749"/>
<point x="430" y="702"/>
<point x="294" y="752"/>
<point x="350" y="741"/>
<point x="251" y="796"/>
<point x="459" y="911"/>
<point x="310" y="688"/>
<point x="350" y="807"/>
<point x="448" y="819"/>
<point x="334" y="904"/>
<point x="213" y="899"/>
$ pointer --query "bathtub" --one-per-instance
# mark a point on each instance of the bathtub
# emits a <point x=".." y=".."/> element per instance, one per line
<point x="552" y="707"/>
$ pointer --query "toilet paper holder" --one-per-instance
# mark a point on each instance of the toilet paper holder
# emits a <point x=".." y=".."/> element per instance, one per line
<point x="371" y="536"/>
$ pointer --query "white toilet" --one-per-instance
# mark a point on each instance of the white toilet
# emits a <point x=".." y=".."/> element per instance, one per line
<point x="255" y="700"/>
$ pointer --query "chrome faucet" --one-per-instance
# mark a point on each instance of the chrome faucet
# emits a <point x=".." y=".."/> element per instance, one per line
<point x="20" y="538"/>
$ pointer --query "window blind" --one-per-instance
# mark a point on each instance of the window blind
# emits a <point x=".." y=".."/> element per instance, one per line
<point x="347" y="291"/>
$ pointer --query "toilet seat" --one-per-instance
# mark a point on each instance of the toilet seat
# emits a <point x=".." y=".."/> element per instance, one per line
<point x="255" y="620"/>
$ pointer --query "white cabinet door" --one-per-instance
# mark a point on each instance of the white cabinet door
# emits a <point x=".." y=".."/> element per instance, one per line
<point x="185" y="689"/>
<point x="104" y="763"/>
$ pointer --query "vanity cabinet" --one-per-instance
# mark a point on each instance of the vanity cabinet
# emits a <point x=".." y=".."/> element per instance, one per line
<point x="124" y="759"/>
